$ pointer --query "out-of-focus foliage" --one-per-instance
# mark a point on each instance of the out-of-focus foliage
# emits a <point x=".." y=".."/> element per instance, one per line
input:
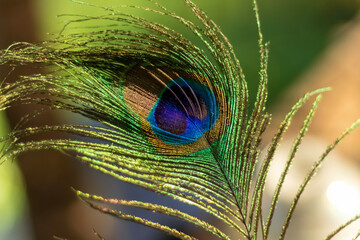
<point x="12" y="198"/>
<point x="297" y="30"/>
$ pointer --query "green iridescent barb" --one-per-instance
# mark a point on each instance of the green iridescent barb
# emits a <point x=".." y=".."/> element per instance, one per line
<point x="175" y="117"/>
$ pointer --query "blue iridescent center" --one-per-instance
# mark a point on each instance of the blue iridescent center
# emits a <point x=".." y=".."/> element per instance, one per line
<point x="184" y="111"/>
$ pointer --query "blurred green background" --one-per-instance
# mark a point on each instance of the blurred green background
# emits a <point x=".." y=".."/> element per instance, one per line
<point x="297" y="30"/>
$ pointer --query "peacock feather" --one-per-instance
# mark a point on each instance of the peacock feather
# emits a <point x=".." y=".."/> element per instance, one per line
<point x="174" y="117"/>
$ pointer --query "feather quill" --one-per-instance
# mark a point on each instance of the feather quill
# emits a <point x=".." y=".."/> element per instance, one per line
<point x="175" y="117"/>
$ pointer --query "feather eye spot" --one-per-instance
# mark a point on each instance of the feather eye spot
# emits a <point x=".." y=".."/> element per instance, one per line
<point x="179" y="111"/>
<point x="181" y="114"/>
